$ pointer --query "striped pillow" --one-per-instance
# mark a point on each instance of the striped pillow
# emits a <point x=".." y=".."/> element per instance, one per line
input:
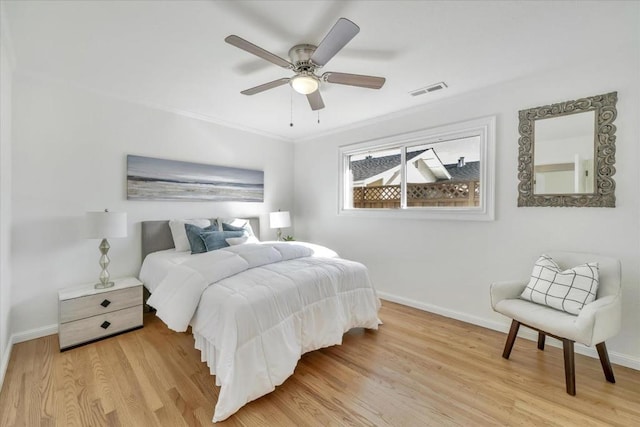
<point x="568" y="290"/>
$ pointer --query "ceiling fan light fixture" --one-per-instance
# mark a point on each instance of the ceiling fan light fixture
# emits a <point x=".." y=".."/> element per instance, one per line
<point x="305" y="59"/>
<point x="305" y="84"/>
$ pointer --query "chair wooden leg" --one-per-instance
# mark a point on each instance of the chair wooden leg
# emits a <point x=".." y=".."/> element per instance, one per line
<point x="541" y="338"/>
<point x="513" y="332"/>
<point x="569" y="366"/>
<point x="604" y="361"/>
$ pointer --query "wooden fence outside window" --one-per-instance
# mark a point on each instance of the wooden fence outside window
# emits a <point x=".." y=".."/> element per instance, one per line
<point x="441" y="194"/>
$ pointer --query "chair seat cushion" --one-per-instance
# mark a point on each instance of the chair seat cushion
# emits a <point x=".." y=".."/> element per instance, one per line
<point x="546" y="319"/>
<point x="567" y="290"/>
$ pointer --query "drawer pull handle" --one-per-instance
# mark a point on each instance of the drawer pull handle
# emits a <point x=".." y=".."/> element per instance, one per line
<point x="105" y="325"/>
<point x="105" y="303"/>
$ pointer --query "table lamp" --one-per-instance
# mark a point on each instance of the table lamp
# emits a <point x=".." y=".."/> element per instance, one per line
<point x="279" y="220"/>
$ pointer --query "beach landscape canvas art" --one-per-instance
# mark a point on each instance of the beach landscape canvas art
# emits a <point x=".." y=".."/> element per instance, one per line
<point x="149" y="178"/>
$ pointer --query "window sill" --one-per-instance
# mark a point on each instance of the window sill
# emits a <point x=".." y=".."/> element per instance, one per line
<point x="453" y="214"/>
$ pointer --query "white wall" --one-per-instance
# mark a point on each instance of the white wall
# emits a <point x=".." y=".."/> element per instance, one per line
<point x="5" y="204"/>
<point x="69" y="157"/>
<point x="447" y="266"/>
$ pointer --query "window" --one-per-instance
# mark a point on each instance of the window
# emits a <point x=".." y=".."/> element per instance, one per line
<point x="440" y="173"/>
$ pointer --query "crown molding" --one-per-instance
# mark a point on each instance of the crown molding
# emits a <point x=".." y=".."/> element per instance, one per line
<point x="155" y="106"/>
<point x="385" y="117"/>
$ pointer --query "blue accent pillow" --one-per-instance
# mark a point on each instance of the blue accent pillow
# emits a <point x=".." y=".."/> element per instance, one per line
<point x="193" y="235"/>
<point x="217" y="239"/>
<point x="229" y="227"/>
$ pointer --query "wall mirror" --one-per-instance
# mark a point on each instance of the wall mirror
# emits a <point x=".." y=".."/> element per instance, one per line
<point x="567" y="153"/>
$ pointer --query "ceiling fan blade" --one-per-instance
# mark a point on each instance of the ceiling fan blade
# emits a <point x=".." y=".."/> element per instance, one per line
<point x="359" y="80"/>
<point x="258" y="51"/>
<point x="315" y="100"/>
<point x="266" y="86"/>
<point x="337" y="38"/>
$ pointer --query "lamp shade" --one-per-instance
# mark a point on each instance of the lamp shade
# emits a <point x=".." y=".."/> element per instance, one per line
<point x="101" y="225"/>
<point x="279" y="219"/>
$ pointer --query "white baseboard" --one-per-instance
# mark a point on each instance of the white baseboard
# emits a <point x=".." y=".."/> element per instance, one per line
<point x="5" y="362"/>
<point x="32" y="334"/>
<point x="615" y="357"/>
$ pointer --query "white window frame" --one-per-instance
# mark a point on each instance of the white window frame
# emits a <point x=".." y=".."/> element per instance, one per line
<point x="483" y="127"/>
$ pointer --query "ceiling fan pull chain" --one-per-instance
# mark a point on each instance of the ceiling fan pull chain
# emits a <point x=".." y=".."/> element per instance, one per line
<point x="291" y="104"/>
<point x="318" y="116"/>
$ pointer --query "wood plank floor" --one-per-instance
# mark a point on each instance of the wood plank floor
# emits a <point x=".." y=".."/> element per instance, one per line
<point x="419" y="369"/>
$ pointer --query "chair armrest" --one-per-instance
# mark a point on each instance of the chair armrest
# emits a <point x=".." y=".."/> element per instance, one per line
<point x="506" y="290"/>
<point x="603" y="316"/>
<point x="597" y="305"/>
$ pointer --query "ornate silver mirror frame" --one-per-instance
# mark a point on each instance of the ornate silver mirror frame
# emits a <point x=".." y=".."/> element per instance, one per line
<point x="604" y="107"/>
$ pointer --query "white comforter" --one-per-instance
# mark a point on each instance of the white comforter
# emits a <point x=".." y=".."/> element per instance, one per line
<point x="255" y="309"/>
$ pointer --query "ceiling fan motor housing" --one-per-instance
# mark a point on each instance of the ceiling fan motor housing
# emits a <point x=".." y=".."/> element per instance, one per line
<point x="300" y="56"/>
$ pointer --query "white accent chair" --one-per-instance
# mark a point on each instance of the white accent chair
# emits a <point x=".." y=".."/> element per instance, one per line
<point x="597" y="321"/>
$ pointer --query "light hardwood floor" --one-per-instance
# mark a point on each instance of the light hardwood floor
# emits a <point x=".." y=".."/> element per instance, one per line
<point x="419" y="369"/>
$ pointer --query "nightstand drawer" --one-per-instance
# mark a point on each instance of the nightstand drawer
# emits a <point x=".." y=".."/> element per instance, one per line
<point x="80" y="331"/>
<point x="104" y="302"/>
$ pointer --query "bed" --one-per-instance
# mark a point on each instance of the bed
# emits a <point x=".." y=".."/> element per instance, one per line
<point x="254" y="309"/>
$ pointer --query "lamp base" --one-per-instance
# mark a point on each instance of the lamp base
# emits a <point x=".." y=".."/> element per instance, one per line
<point x="103" y="285"/>
<point x="104" y="263"/>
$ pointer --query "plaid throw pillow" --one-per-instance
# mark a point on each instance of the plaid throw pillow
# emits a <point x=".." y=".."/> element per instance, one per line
<point x="568" y="290"/>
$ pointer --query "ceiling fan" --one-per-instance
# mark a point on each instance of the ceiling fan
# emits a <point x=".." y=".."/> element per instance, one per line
<point x="306" y="59"/>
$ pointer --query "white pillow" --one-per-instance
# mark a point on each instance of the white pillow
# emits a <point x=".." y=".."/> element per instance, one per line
<point x="179" y="233"/>
<point x="237" y="222"/>
<point x="233" y="241"/>
<point x="568" y="290"/>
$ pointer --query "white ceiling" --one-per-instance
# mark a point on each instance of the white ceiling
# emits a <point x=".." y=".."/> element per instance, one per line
<point x="172" y="54"/>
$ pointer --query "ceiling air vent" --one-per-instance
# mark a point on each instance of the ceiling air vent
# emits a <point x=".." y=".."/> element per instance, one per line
<point x="428" y="89"/>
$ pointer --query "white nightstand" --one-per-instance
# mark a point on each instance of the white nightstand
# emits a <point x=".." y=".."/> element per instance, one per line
<point x="87" y="314"/>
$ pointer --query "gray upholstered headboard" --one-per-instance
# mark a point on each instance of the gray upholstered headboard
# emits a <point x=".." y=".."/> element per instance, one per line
<point x="156" y="235"/>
